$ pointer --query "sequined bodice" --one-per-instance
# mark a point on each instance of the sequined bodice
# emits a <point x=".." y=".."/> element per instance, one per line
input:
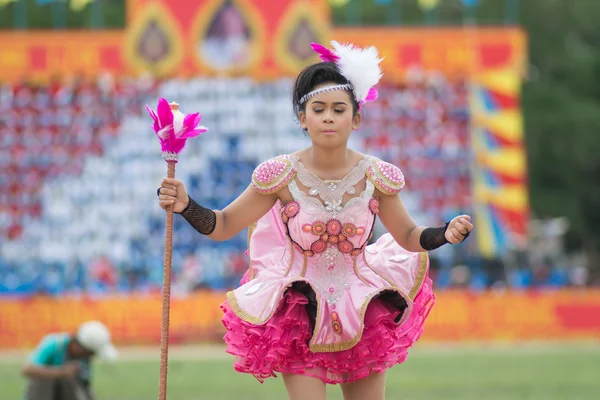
<point x="329" y="234"/>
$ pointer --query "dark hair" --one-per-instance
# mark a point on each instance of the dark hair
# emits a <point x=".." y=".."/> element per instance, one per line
<point x="315" y="75"/>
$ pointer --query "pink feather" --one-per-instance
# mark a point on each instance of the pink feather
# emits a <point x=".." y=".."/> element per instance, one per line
<point x="372" y="95"/>
<point x="324" y="53"/>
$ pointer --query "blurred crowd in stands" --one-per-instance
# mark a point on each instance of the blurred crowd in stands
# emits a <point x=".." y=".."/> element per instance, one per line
<point x="79" y="169"/>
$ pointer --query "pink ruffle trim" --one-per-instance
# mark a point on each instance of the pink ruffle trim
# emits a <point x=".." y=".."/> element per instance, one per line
<point x="281" y="345"/>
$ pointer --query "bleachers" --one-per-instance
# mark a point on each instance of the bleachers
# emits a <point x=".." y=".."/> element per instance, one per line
<point x="82" y="166"/>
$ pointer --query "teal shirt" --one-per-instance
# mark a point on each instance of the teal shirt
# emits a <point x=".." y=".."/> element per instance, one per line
<point x="51" y="351"/>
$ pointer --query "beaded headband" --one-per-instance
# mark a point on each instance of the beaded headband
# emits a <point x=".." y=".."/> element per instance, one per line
<point x="315" y="92"/>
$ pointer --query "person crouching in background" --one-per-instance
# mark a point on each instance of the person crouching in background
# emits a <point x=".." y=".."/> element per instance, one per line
<point x="59" y="368"/>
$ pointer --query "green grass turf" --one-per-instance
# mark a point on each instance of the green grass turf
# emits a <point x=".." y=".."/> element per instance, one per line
<point x="527" y="372"/>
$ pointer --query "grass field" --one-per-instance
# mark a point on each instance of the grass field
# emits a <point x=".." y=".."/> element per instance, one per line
<point x="516" y="372"/>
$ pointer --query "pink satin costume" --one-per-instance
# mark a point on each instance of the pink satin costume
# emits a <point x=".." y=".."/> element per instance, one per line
<point x="369" y="303"/>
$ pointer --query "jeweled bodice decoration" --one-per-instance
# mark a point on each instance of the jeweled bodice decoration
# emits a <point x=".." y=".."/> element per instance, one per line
<point x="331" y="192"/>
<point x="328" y="233"/>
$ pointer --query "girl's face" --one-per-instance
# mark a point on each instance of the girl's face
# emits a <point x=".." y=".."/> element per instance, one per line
<point x="328" y="117"/>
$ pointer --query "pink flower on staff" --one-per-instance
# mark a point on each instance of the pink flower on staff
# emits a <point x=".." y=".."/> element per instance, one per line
<point x="173" y="128"/>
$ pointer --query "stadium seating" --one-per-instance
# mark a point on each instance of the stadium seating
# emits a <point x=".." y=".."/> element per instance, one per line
<point x="78" y="210"/>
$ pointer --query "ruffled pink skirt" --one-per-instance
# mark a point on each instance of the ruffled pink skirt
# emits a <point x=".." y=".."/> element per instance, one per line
<point x="281" y="345"/>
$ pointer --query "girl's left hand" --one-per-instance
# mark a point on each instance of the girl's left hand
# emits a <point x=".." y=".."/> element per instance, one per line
<point x="458" y="229"/>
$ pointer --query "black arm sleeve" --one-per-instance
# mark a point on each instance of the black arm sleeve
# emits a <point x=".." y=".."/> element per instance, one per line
<point x="200" y="218"/>
<point x="432" y="238"/>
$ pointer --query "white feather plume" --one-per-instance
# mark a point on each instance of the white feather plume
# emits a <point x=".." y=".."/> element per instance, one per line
<point x="359" y="66"/>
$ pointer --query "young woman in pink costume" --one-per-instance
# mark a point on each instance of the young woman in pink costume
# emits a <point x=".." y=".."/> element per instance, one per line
<point x="318" y="304"/>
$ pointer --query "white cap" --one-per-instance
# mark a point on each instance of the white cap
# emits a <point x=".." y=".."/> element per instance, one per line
<point x="94" y="336"/>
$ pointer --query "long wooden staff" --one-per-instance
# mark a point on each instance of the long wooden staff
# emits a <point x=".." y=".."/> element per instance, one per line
<point x="173" y="129"/>
<point x="166" y="295"/>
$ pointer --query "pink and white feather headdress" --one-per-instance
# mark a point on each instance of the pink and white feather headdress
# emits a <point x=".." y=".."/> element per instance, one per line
<point x="359" y="66"/>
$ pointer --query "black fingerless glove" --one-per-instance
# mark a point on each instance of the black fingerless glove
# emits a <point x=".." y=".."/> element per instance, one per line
<point x="432" y="238"/>
<point x="200" y="218"/>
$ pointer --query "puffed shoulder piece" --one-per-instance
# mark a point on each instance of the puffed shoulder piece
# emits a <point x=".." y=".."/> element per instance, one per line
<point x="272" y="175"/>
<point x="386" y="177"/>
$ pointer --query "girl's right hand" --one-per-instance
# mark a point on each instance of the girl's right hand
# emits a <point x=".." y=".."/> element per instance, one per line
<point x="172" y="193"/>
